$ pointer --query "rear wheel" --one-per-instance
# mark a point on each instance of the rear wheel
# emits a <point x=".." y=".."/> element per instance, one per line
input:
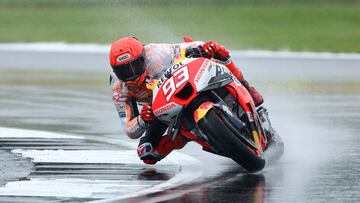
<point x="214" y="125"/>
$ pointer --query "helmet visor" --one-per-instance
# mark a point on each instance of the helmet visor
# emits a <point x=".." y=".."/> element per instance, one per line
<point x="131" y="70"/>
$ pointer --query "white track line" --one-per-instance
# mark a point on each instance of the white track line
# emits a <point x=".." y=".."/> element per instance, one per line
<point x="21" y="133"/>
<point x="60" y="47"/>
<point x="82" y="188"/>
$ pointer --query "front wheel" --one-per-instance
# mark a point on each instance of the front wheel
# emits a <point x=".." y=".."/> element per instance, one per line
<point x="215" y="127"/>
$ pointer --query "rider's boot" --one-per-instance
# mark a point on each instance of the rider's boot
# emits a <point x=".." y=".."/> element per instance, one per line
<point x="151" y="150"/>
<point x="256" y="96"/>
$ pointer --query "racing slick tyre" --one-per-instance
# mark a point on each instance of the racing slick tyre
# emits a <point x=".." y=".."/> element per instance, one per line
<point x="219" y="134"/>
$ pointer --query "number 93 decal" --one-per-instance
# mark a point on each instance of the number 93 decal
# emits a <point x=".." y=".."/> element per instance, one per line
<point x="179" y="77"/>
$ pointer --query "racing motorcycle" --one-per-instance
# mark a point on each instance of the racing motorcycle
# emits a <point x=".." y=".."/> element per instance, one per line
<point x="201" y="100"/>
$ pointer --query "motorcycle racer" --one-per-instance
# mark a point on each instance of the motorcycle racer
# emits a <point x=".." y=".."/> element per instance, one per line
<point x="133" y="65"/>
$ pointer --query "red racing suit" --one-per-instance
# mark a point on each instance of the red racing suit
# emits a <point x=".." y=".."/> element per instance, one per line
<point x="158" y="57"/>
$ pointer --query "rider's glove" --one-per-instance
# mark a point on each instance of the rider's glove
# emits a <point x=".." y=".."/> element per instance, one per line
<point x="216" y="51"/>
<point x="147" y="114"/>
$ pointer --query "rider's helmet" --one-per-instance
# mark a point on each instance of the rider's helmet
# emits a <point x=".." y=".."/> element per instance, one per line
<point x="127" y="60"/>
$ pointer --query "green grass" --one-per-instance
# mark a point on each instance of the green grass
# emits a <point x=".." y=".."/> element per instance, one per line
<point x="282" y="25"/>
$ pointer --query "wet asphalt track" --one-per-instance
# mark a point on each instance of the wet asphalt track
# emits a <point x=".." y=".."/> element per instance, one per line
<point x="314" y="104"/>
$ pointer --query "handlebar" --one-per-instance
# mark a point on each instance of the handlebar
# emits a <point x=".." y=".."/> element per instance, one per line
<point x="196" y="53"/>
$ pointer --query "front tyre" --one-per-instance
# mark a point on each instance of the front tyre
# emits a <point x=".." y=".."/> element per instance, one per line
<point x="215" y="127"/>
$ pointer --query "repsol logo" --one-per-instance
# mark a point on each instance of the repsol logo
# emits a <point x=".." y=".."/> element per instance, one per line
<point x="168" y="73"/>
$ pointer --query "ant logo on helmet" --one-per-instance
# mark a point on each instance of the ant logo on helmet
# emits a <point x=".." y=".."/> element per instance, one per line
<point x="123" y="57"/>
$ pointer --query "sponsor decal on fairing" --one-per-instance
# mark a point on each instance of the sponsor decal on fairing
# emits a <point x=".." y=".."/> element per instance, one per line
<point x="168" y="111"/>
<point x="164" y="108"/>
<point x="201" y="71"/>
<point x="168" y="73"/>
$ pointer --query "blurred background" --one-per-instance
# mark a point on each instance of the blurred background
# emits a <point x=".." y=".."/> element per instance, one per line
<point x="54" y="73"/>
<point x="297" y="25"/>
<point x="58" y="44"/>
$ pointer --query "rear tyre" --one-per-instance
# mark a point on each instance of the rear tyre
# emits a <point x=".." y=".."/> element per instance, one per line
<point x="219" y="135"/>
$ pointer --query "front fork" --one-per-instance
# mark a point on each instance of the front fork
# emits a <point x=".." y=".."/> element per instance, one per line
<point x="237" y="125"/>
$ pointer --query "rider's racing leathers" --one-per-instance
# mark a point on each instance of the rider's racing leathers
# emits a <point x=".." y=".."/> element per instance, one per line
<point x="153" y="145"/>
